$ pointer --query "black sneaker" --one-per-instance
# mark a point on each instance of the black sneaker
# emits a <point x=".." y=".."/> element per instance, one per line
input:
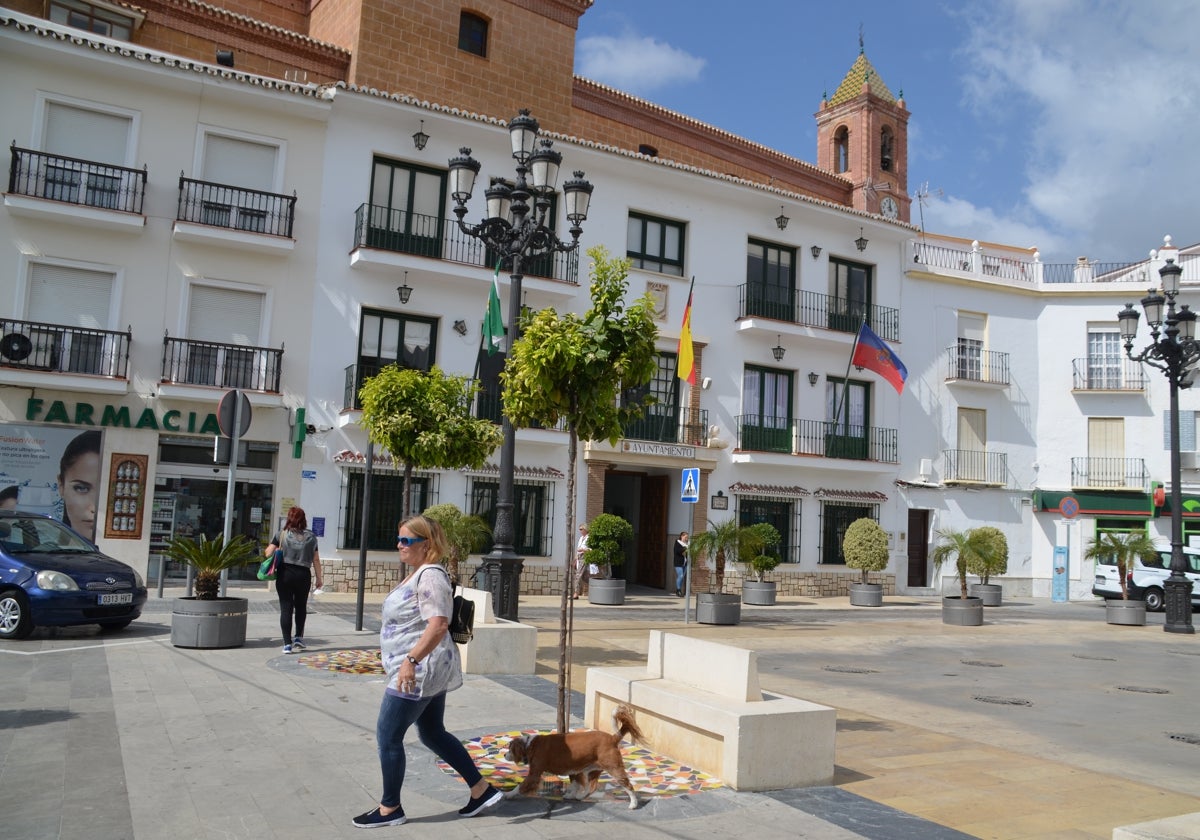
<point x="488" y="799"/>
<point x="374" y="819"/>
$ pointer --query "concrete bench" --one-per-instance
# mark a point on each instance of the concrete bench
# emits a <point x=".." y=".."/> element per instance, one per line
<point x="498" y="646"/>
<point x="700" y="703"/>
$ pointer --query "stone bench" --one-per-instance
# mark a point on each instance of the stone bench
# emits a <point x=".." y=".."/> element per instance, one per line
<point x="699" y="702"/>
<point x="499" y="646"/>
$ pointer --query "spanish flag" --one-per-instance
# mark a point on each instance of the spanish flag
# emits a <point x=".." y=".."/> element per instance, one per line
<point x="686" y="366"/>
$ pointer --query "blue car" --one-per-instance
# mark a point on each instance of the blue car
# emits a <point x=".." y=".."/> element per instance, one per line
<point x="50" y="576"/>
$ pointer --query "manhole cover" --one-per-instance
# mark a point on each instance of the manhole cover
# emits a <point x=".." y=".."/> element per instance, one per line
<point x="1194" y="740"/>
<point x="846" y="669"/>
<point x="1141" y="689"/>
<point x="1094" y="658"/>
<point x="1005" y="701"/>
<point x="978" y="663"/>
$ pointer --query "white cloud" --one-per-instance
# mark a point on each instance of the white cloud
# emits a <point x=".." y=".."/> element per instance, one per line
<point x="635" y="63"/>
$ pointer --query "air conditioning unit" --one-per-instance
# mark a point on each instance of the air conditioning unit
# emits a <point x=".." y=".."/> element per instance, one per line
<point x="1189" y="460"/>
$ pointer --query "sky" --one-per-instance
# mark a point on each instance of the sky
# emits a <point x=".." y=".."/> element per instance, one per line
<point x="1071" y="126"/>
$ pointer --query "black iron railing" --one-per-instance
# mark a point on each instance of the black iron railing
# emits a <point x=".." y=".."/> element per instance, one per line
<point x="966" y="360"/>
<point x="817" y="437"/>
<point x="1107" y="374"/>
<point x="976" y="466"/>
<point x="234" y="208"/>
<point x="813" y="309"/>
<point x="665" y="427"/>
<point x="1109" y="472"/>
<point x="188" y="362"/>
<point x="29" y="345"/>
<point x="76" y="181"/>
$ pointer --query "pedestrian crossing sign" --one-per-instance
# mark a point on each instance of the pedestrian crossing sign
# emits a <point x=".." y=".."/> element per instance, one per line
<point x="689" y="485"/>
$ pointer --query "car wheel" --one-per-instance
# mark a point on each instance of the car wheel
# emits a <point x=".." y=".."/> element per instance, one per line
<point x="113" y="626"/>
<point x="1154" y="599"/>
<point x="15" y="621"/>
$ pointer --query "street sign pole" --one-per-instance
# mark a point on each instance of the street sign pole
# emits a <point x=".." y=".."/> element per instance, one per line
<point x="689" y="494"/>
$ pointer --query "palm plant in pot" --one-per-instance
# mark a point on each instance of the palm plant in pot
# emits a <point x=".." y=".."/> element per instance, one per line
<point x="992" y="562"/>
<point x="865" y="547"/>
<point x="1121" y="549"/>
<point x="759" y="554"/>
<point x="208" y="620"/>
<point x="606" y="539"/>
<point x="720" y="542"/>
<point x="960" y="548"/>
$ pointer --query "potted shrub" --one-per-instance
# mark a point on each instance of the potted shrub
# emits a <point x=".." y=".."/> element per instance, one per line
<point x="759" y="554"/>
<point x="960" y="548"/>
<point x="207" y="620"/>
<point x="606" y="539"/>
<point x="720" y="542"/>
<point x="993" y="562"/>
<point x="865" y="547"/>
<point x="1121" y="549"/>
<point x="466" y="533"/>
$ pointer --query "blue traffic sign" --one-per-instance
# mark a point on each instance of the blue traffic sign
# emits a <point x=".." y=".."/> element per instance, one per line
<point x="689" y="485"/>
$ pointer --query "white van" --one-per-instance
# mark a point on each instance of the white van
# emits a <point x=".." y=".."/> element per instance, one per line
<point x="1146" y="581"/>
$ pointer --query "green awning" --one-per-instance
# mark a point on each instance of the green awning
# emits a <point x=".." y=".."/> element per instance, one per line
<point x="1189" y="502"/>
<point x="1073" y="503"/>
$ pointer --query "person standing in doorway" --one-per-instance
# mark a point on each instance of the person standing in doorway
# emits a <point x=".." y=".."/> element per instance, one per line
<point x="294" y="576"/>
<point x="681" y="548"/>
<point x="581" y="565"/>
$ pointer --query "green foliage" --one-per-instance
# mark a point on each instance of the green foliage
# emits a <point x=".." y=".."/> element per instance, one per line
<point x="607" y="535"/>
<point x="995" y="561"/>
<point x="760" y="548"/>
<point x="963" y="548"/>
<point x="721" y="540"/>
<point x="865" y="547"/>
<point x="1121" y="549"/>
<point x="465" y="533"/>
<point x="209" y="558"/>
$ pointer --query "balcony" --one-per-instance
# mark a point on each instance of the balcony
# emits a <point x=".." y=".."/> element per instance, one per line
<point x="666" y="428"/>
<point x="402" y="232"/>
<point x="217" y="211"/>
<point x="214" y="365"/>
<point x="817" y="437"/>
<point x="1107" y="374"/>
<point x="969" y="466"/>
<point x="1109" y="473"/>
<point x="88" y="192"/>
<point x="57" y="348"/>
<point x="813" y="309"/>
<point x="968" y="362"/>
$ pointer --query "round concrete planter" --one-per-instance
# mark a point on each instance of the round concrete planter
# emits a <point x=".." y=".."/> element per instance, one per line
<point x="962" y="612"/>
<point x="1128" y="613"/>
<point x="866" y="594"/>
<point x="606" y="591"/>
<point x="718" y="608"/>
<point x="990" y="593"/>
<point x="758" y="594"/>
<point x="220" y="623"/>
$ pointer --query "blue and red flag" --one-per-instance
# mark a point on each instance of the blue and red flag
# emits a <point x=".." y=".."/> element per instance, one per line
<point x="872" y="353"/>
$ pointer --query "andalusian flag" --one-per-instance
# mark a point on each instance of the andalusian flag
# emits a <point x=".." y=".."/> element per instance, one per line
<point x="686" y="367"/>
<point x="493" y="322"/>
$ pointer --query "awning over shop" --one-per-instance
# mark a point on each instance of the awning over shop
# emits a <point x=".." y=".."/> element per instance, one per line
<point x="1071" y="503"/>
<point x="1189" y="502"/>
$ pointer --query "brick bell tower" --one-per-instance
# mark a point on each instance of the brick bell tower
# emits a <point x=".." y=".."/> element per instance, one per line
<point x="862" y="135"/>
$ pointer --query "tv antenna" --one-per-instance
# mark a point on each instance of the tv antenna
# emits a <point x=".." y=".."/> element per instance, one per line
<point x="922" y="196"/>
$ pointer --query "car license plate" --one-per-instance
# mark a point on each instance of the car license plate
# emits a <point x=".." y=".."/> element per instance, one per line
<point x="115" y="598"/>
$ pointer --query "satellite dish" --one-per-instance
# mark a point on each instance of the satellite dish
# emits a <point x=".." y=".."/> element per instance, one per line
<point x="15" y="347"/>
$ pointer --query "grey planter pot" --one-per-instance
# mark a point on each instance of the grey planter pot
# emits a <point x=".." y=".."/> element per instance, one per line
<point x="1128" y="613"/>
<point x="866" y="594"/>
<point x="758" y="594"/>
<point x="962" y="612"/>
<point x="209" y="624"/>
<point x="606" y="591"/>
<point x="718" y="608"/>
<point x="990" y="593"/>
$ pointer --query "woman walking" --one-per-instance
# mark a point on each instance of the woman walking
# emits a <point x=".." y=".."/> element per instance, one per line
<point x="422" y="664"/>
<point x="294" y="576"/>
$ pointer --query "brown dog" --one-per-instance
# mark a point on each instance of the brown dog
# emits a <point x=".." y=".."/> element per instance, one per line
<point x="580" y="755"/>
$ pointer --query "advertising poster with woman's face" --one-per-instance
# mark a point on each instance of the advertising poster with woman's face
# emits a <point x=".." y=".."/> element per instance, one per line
<point x="52" y="470"/>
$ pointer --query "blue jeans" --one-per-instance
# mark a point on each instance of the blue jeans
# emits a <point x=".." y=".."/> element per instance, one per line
<point x="396" y="715"/>
<point x="680" y="571"/>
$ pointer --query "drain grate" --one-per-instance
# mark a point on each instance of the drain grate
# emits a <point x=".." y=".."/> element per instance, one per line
<point x="1194" y="740"/>
<point x="1094" y="658"/>
<point x="1004" y="701"/>
<point x="1142" y="689"/>
<point x="978" y="663"/>
<point x="846" y="669"/>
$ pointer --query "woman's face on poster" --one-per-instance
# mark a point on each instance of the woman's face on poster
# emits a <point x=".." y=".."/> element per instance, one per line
<point x="80" y="489"/>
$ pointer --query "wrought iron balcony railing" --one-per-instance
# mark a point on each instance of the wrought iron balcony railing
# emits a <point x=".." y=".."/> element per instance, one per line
<point x="1109" y="473"/>
<point x="966" y="360"/>
<point x="389" y="229"/>
<point x="813" y="309"/>
<point x="1107" y="374"/>
<point x="188" y="362"/>
<point x="57" y="348"/>
<point x="817" y="437"/>
<point x="665" y="427"/>
<point x="75" y="181"/>
<point x="234" y="208"/>
<point x="976" y="466"/>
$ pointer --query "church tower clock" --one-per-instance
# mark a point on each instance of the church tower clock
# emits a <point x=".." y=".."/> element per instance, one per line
<point x="862" y="135"/>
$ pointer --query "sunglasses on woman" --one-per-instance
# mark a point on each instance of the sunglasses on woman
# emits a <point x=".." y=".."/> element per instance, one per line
<point x="407" y="541"/>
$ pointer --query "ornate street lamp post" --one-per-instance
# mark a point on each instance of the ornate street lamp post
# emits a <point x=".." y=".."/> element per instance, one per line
<point x="1173" y="350"/>
<point x="516" y="229"/>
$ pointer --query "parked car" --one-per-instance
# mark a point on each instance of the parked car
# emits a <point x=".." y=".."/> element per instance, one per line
<point x="50" y="576"/>
<point x="1146" y="580"/>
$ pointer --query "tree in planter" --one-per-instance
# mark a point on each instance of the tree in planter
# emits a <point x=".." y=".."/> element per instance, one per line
<point x="209" y="558"/>
<point x="760" y="549"/>
<point x="606" y="539"/>
<point x="1121" y="549"/>
<point x="865" y="547"/>
<point x="721" y="541"/>
<point x="962" y="548"/>
<point x="466" y="533"/>
<point x="995" y="560"/>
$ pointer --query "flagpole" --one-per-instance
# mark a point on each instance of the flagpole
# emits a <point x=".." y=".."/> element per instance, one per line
<point x="837" y="410"/>
<point x="675" y="387"/>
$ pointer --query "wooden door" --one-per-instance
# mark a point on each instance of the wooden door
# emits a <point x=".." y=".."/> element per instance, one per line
<point x="652" y="533"/>
<point x="918" y="548"/>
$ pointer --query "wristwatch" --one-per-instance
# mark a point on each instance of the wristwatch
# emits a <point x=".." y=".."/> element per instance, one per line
<point x="412" y="659"/>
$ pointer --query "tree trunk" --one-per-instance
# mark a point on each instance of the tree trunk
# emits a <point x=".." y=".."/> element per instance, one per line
<point x="567" y="607"/>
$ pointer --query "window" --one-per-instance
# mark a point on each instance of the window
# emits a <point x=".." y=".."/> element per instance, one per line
<point x="779" y="513"/>
<point x="655" y="244"/>
<point x="406" y="208"/>
<point x="472" y="34"/>
<point x="841" y="150"/>
<point x="387" y="338"/>
<point x="770" y="281"/>
<point x="1104" y="358"/>
<point x="1106" y="452"/>
<point x="387" y="506"/>
<point x="850" y="295"/>
<point x="971" y="462"/>
<point x="240" y="162"/>
<point x="886" y="149"/>
<point x="220" y="319"/>
<point x="83" y="145"/>
<point x="766" y="410"/>
<point x="78" y="301"/>
<point x="660" y="421"/>
<point x="847" y="409"/>
<point x="532" y="509"/>
<point x="836" y="517"/>
<point x="91" y="18"/>
<point x="968" y="357"/>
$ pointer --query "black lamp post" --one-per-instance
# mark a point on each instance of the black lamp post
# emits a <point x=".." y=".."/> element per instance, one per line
<point x="516" y="228"/>
<point x="1173" y="349"/>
